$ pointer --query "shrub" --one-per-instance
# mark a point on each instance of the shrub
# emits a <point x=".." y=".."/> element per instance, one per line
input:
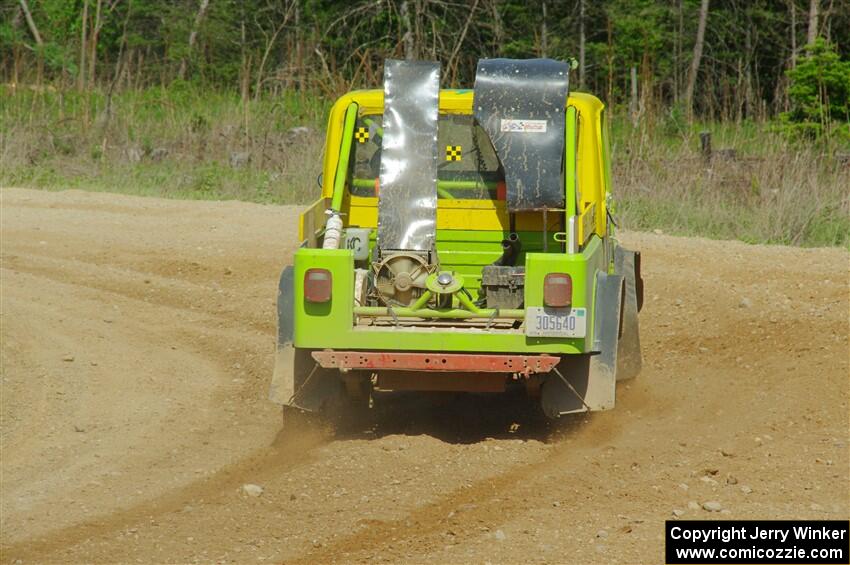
<point x="819" y="93"/>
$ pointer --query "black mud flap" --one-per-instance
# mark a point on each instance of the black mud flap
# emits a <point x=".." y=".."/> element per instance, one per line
<point x="298" y="380"/>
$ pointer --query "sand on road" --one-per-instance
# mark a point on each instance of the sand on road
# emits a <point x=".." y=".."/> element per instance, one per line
<point x="137" y="340"/>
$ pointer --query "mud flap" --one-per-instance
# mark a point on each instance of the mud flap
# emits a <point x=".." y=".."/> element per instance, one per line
<point x="627" y="264"/>
<point x="587" y="383"/>
<point x="283" y="379"/>
<point x="298" y="380"/>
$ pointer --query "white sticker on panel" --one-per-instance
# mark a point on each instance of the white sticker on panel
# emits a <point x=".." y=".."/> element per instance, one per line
<point x="523" y="126"/>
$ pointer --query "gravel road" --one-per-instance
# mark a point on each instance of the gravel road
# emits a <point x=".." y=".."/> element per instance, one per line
<point x="137" y="340"/>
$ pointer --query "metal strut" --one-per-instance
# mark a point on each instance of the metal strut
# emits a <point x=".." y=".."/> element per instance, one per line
<point x="297" y="393"/>
<point x="570" y="386"/>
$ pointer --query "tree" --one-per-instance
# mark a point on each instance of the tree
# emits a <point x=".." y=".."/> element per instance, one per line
<point x="31" y="23"/>
<point x="193" y="36"/>
<point x="819" y="92"/>
<point x="695" y="60"/>
<point x="35" y="35"/>
<point x="813" y="22"/>
<point x="81" y="78"/>
<point x="581" y="44"/>
<point x="328" y="46"/>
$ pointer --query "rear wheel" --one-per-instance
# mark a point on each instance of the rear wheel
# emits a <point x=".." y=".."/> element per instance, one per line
<point x="348" y="410"/>
<point x="324" y="395"/>
<point x="295" y="418"/>
<point x="558" y="397"/>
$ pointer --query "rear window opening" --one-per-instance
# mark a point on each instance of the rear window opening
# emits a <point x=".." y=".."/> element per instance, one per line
<point x="468" y="167"/>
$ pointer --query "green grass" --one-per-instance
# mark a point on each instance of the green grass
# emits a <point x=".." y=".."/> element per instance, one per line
<point x="167" y="179"/>
<point x="772" y="191"/>
<point x="184" y="142"/>
<point x="824" y="227"/>
<point x="177" y="143"/>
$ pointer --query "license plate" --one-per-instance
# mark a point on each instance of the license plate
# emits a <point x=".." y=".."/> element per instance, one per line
<point x="555" y="322"/>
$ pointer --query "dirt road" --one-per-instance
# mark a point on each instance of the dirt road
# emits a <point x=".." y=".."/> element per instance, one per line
<point x="137" y="340"/>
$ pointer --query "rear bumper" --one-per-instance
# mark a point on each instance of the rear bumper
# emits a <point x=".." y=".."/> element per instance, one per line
<point x="334" y="324"/>
<point x="437" y="362"/>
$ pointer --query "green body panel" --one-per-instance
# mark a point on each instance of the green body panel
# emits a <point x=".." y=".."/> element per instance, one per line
<point x="320" y="320"/>
<point x="344" y="154"/>
<point x="331" y="325"/>
<point x="467" y="251"/>
<point x="582" y="267"/>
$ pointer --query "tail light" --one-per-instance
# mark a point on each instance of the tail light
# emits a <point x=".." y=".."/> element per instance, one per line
<point x="558" y="290"/>
<point x="317" y="285"/>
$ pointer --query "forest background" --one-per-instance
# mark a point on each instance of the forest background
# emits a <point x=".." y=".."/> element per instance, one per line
<point x="218" y="99"/>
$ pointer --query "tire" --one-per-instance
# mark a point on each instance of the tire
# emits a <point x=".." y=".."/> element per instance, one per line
<point x="556" y="397"/>
<point x="347" y="414"/>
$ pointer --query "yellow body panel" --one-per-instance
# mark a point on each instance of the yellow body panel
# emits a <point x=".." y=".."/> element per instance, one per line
<point x="474" y="214"/>
<point x="312" y="221"/>
<point x="479" y="215"/>
<point x="586" y="223"/>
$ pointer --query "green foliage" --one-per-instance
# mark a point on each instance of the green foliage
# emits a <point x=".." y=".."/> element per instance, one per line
<point x="642" y="27"/>
<point x="819" y="92"/>
<point x="329" y="46"/>
<point x="772" y="191"/>
<point x="259" y="68"/>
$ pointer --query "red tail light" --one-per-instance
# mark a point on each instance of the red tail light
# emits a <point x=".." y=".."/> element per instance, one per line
<point x="558" y="290"/>
<point x="317" y="285"/>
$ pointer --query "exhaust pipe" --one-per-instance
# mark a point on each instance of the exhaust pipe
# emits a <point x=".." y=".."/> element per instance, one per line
<point x="511" y="248"/>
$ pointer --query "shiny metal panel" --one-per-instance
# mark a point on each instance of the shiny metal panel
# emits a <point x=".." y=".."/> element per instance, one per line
<point x="629" y="358"/>
<point x="407" y="204"/>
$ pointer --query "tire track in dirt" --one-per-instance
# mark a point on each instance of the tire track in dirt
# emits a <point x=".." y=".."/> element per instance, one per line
<point x="185" y="305"/>
<point x="195" y="316"/>
<point x="484" y="506"/>
<point x="137" y="285"/>
<point x="285" y="454"/>
<point x="744" y="383"/>
<point x="478" y="504"/>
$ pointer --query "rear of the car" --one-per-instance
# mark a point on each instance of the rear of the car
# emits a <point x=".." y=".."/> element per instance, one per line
<point x="515" y="298"/>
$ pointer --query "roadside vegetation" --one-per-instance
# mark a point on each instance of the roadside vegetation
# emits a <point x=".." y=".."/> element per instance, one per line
<point x="178" y="142"/>
<point x="757" y="185"/>
<point x="224" y="100"/>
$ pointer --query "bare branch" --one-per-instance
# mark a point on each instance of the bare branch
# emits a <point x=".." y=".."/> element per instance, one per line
<point x="269" y="44"/>
<point x="460" y="39"/>
<point x="31" y="23"/>
<point x="193" y="35"/>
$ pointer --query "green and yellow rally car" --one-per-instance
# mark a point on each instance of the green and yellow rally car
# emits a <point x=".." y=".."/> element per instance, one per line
<point x="463" y="241"/>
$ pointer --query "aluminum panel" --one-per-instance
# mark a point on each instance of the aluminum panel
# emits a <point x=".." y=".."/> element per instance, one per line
<point x="521" y="106"/>
<point x="407" y="203"/>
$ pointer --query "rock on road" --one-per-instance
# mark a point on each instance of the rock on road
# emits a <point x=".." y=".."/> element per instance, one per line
<point x="137" y="340"/>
